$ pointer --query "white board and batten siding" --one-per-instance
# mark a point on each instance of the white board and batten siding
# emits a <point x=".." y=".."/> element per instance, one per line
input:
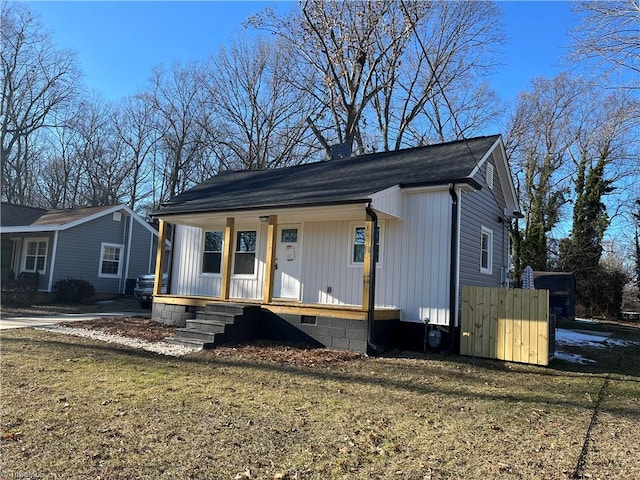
<point x="412" y="275"/>
<point x="413" y="270"/>
<point x="187" y="276"/>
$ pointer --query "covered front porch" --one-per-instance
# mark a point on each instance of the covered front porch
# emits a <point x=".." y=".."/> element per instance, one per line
<point x="330" y="324"/>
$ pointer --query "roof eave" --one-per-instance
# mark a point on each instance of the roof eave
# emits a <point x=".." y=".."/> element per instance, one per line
<point x="460" y="181"/>
<point x="204" y="210"/>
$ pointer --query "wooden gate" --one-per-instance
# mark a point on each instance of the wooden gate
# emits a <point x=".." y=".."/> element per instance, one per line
<point x="507" y="324"/>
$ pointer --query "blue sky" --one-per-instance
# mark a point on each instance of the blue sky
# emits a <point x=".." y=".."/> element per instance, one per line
<point x="119" y="42"/>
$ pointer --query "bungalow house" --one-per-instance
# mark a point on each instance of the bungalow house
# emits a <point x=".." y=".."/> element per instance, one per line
<point x="105" y="246"/>
<point x="348" y="253"/>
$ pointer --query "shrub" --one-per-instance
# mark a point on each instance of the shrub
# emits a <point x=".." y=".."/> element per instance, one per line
<point x="73" y="290"/>
<point x="26" y="282"/>
<point x="600" y="295"/>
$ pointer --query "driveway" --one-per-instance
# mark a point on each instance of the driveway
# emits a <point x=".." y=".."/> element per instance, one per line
<point x="42" y="320"/>
<point x="40" y="315"/>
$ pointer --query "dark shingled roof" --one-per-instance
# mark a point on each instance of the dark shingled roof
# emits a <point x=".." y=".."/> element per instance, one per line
<point x="342" y="181"/>
<point x="17" y="215"/>
<point x="68" y="215"/>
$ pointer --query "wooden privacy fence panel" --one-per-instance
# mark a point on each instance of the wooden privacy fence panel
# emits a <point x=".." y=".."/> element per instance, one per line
<point x="506" y="324"/>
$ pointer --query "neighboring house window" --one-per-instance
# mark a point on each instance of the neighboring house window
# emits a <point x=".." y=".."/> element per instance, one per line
<point x="245" y="253"/>
<point x="212" y="255"/>
<point x="489" y="176"/>
<point x="486" y="250"/>
<point x="110" y="260"/>
<point x="357" y="252"/>
<point x="35" y="255"/>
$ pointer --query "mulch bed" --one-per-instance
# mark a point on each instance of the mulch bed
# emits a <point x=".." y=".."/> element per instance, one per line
<point x="258" y="350"/>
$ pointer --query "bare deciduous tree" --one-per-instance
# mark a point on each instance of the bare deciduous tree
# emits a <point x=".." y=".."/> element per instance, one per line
<point x="539" y="138"/>
<point x="260" y="117"/>
<point x="136" y="127"/>
<point x="381" y="68"/>
<point x="184" y="125"/>
<point x="37" y="80"/>
<point x="609" y="37"/>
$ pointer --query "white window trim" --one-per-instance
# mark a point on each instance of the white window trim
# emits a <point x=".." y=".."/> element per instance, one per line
<point x="489" y="233"/>
<point x="24" y="254"/>
<point x="202" y="251"/>
<point x="352" y="232"/>
<point x="120" y="261"/>
<point x="253" y="275"/>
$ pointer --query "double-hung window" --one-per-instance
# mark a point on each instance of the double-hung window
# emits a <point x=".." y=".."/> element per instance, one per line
<point x="358" y="245"/>
<point x="486" y="250"/>
<point x="245" y="256"/>
<point x="35" y="255"/>
<point x="212" y="254"/>
<point x="110" y="260"/>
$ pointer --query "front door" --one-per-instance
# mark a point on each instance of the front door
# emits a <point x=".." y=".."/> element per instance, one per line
<point x="288" y="262"/>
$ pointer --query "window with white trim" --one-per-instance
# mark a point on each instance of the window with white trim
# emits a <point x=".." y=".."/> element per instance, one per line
<point x="358" y="233"/>
<point x="35" y="255"/>
<point x="486" y="250"/>
<point x="110" y="260"/>
<point x="245" y="256"/>
<point x="212" y="252"/>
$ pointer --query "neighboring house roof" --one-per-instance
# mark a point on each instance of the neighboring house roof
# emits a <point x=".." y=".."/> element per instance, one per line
<point x="19" y="219"/>
<point x="339" y="181"/>
<point x="69" y="215"/>
<point x="11" y="215"/>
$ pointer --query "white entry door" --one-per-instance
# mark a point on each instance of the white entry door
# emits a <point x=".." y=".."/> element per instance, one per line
<point x="288" y="262"/>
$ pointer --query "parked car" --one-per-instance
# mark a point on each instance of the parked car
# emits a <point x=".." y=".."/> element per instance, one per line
<point x="144" y="288"/>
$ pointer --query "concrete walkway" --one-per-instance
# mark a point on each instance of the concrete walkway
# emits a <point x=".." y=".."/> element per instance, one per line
<point x="42" y="320"/>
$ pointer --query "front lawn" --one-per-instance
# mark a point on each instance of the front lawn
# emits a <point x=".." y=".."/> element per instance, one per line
<point x="78" y="408"/>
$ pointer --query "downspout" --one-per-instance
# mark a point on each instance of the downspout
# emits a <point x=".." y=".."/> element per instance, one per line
<point x="371" y="345"/>
<point x="453" y="267"/>
<point x="170" y="264"/>
<point x="126" y="270"/>
<point x="54" y="253"/>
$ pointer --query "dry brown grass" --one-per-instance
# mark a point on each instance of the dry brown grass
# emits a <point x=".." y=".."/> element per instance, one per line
<point x="77" y="408"/>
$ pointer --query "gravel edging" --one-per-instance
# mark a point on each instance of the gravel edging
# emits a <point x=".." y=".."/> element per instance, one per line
<point x="161" y="348"/>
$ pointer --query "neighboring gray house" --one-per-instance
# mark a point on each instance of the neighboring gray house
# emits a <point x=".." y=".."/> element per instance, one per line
<point x="297" y="242"/>
<point x="105" y="246"/>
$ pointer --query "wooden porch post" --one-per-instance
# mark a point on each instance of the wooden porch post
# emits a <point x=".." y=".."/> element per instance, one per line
<point x="160" y="253"/>
<point x="227" y="253"/>
<point x="366" y="265"/>
<point x="269" y="274"/>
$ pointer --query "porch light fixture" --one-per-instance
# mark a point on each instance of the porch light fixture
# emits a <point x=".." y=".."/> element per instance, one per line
<point x="264" y="218"/>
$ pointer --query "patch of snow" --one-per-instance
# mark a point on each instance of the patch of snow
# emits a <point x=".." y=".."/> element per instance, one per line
<point x="586" y="320"/>
<point x="620" y="343"/>
<point x="572" y="358"/>
<point x="583" y="339"/>
<point x="579" y="339"/>
<point x="162" y="348"/>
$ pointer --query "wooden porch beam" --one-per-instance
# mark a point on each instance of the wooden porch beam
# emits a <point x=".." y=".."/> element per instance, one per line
<point x="366" y="265"/>
<point x="227" y="253"/>
<point x="269" y="274"/>
<point x="160" y="256"/>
